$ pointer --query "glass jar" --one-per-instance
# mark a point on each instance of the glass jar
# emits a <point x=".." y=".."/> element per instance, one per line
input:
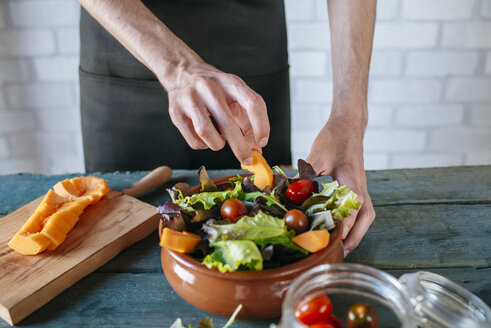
<point x="441" y="303"/>
<point x="421" y="299"/>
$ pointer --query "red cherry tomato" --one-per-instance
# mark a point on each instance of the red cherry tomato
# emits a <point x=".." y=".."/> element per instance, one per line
<point x="360" y="315"/>
<point x="335" y="322"/>
<point x="296" y="220"/>
<point x="322" y="324"/>
<point x="315" y="310"/>
<point x="299" y="191"/>
<point x="232" y="209"/>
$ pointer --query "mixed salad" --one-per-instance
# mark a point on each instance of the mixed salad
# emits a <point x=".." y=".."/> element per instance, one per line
<point x="237" y="225"/>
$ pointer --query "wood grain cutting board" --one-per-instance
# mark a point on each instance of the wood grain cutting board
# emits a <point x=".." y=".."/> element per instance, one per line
<point x="117" y="221"/>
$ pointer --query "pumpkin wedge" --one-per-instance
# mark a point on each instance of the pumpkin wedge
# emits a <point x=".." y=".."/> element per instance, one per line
<point x="313" y="240"/>
<point x="57" y="214"/>
<point x="263" y="174"/>
<point x="182" y="242"/>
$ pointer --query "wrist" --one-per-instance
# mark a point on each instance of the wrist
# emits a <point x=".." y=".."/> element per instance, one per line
<point x="173" y="70"/>
<point x="169" y="58"/>
<point x="351" y="113"/>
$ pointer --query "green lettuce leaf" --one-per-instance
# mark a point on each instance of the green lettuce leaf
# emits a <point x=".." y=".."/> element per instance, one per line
<point x="256" y="228"/>
<point x="230" y="255"/>
<point x="206" y="200"/>
<point x="344" y="200"/>
<point x="262" y="229"/>
<point x="237" y="178"/>
<point x="341" y="202"/>
<point x="270" y="198"/>
<point x="327" y="188"/>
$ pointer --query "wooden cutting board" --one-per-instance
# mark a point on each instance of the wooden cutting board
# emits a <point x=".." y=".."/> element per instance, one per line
<point x="117" y="221"/>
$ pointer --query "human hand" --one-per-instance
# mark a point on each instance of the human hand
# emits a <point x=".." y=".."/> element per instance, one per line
<point x="202" y="90"/>
<point x="338" y="151"/>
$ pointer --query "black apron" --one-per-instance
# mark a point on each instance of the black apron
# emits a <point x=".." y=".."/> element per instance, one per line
<point x="125" y="120"/>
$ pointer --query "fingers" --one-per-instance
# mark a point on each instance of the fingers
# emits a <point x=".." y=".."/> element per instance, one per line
<point x="185" y="126"/>
<point x="254" y="106"/>
<point x="363" y="221"/>
<point x="245" y="125"/>
<point x="214" y="99"/>
<point x="204" y="128"/>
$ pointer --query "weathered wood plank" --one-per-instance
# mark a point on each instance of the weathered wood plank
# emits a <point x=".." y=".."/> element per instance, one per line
<point x="427" y="236"/>
<point x="146" y="300"/>
<point x="121" y="300"/>
<point x="446" y="184"/>
<point x="457" y="184"/>
<point x="405" y="236"/>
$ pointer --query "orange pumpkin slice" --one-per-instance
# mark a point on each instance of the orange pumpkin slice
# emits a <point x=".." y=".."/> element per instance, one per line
<point x="182" y="242"/>
<point x="263" y="175"/>
<point x="313" y="240"/>
<point x="57" y="214"/>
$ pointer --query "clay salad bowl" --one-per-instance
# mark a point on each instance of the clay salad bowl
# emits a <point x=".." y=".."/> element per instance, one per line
<point x="260" y="292"/>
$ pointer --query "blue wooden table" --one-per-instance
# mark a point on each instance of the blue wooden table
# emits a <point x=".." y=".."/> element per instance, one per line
<point x="435" y="219"/>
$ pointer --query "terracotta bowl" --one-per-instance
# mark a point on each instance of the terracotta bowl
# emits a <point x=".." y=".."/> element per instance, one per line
<point x="260" y="292"/>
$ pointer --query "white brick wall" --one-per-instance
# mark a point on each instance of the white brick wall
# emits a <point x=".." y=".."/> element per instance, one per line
<point x="431" y="63"/>
<point x="45" y="13"/>
<point x="386" y="63"/>
<point x="15" y="70"/>
<point x="429" y="116"/>
<point x="427" y="160"/>
<point x="68" y="41"/>
<point x="23" y="43"/>
<point x="309" y="36"/>
<point x="40" y="95"/>
<point x="469" y="89"/>
<point x="57" y="68"/>
<point x="403" y="91"/>
<point x="4" y="149"/>
<point x="405" y="35"/>
<point x="313" y="91"/>
<point x="308" y="63"/>
<point x="429" y="92"/>
<point x="465" y="139"/>
<point x="486" y="8"/>
<point x="480" y="115"/>
<point x="392" y="140"/>
<point x="473" y="35"/>
<point x="488" y="63"/>
<point x="437" y="9"/>
<point x="2" y="18"/>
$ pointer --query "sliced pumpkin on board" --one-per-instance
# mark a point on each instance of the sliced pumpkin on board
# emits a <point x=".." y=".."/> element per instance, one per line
<point x="57" y="214"/>
<point x="263" y="174"/>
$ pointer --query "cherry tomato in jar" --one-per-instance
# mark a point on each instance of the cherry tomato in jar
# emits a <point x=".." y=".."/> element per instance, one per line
<point x="361" y="315"/>
<point x="315" y="310"/>
<point x="296" y="220"/>
<point x="322" y="324"/>
<point x="232" y="209"/>
<point x="299" y="191"/>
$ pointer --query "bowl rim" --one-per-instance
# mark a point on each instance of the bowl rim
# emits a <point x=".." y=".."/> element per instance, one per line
<point x="294" y="268"/>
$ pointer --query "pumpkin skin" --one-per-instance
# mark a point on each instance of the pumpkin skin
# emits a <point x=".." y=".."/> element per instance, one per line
<point x="57" y="214"/>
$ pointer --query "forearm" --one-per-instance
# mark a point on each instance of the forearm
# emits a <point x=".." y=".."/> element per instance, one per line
<point x="145" y="36"/>
<point x="352" y="24"/>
